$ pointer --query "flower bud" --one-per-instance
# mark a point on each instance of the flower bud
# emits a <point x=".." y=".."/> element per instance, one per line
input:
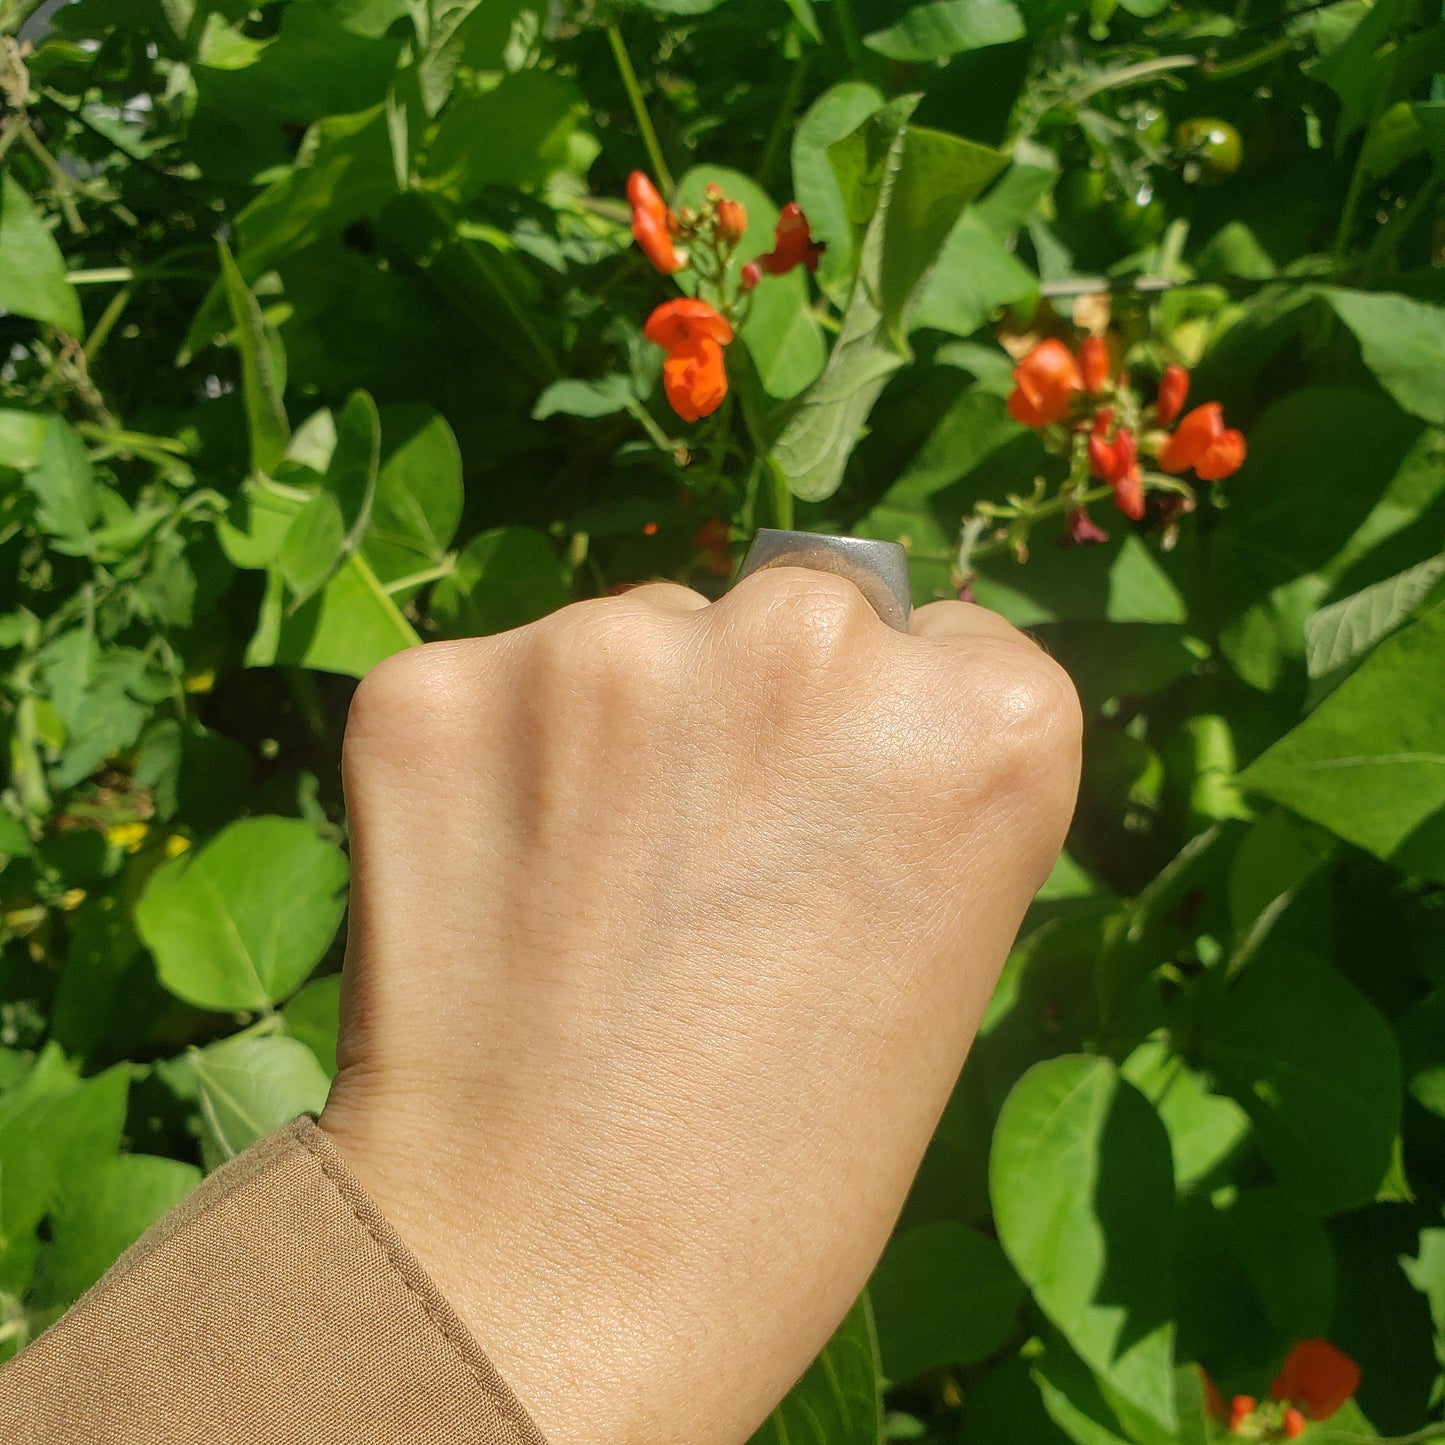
<point x="1094" y="364"/>
<point x="1173" y="389"/>
<point x="732" y="221"/>
<point x="1294" y="1424"/>
<point x="752" y="274"/>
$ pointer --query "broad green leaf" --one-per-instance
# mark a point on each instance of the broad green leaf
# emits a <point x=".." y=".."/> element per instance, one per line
<point x="942" y="1294"/>
<point x="503" y="579"/>
<point x="99" y="1211"/>
<point x="67" y="502"/>
<point x="516" y="134"/>
<point x="839" y="1400"/>
<point x="835" y="114"/>
<point x="22" y="438"/>
<point x="1081" y="1162"/>
<point x="418" y="501"/>
<point x="246" y="1087"/>
<point x="32" y="270"/>
<point x="905" y="187"/>
<point x="782" y="336"/>
<point x="1346" y="630"/>
<point x="1004" y="1407"/>
<point x="1402" y="342"/>
<point x="572" y="397"/>
<point x="1204" y="1128"/>
<point x="477" y="35"/>
<point x="313" y="546"/>
<point x="976" y="275"/>
<point x="313" y="1017"/>
<point x="351" y="475"/>
<point x="1368" y="762"/>
<point x="50" y="1124"/>
<point x="240" y="923"/>
<point x="1317" y="1069"/>
<point x="263" y="375"/>
<point x="939" y="28"/>
<point x="1426" y="1271"/>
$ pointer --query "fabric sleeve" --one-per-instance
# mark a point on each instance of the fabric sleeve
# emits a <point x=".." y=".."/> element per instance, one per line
<point x="274" y="1306"/>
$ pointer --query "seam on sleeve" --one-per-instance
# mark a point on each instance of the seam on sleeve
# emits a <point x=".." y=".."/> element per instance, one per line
<point x="404" y="1266"/>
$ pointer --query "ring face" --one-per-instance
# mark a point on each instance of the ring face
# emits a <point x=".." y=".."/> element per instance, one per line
<point x="878" y="569"/>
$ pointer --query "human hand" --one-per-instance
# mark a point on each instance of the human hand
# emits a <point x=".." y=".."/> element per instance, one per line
<point x="671" y="926"/>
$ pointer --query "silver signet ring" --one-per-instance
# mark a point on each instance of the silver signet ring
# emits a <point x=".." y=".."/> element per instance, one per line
<point x="878" y="569"/>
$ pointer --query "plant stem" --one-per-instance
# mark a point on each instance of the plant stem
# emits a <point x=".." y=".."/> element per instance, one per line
<point x="848" y="28"/>
<point x="60" y="182"/>
<point x="639" y="107"/>
<point x="1347" y="214"/>
<point x="783" y="120"/>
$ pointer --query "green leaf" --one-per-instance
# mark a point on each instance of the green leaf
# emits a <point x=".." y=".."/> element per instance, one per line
<point x="1402" y="342"/>
<point x="418" y="501"/>
<point x="313" y="546"/>
<point x="63" y="484"/>
<point x="99" y="1211"/>
<point x="313" y="1017"/>
<point x="476" y="35"/>
<point x="22" y="438"/>
<point x="516" y="134"/>
<point x="782" y="336"/>
<point x="246" y="1087"/>
<point x="976" y="275"/>
<point x="1317" y="1069"/>
<point x="352" y="473"/>
<point x="1368" y="762"/>
<point x="503" y="579"/>
<point x="1081" y="1164"/>
<point x="838" y="1401"/>
<point x="835" y="114"/>
<point x="32" y="271"/>
<point x="240" y="923"/>
<point x="263" y="375"/>
<point x="571" y="397"/>
<point x="940" y="28"/>
<point x="942" y="1294"/>
<point x="51" y="1124"/>
<point x="1346" y="630"/>
<point x="1204" y="1128"/>
<point x="908" y="186"/>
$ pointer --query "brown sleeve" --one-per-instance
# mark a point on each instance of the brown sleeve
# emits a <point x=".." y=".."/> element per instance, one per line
<point x="275" y="1306"/>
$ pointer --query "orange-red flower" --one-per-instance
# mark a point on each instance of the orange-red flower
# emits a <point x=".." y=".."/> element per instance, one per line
<point x="1044" y="384"/>
<point x="1173" y="389"/>
<point x="1240" y="1409"/>
<point x="1206" y="444"/>
<point x="686" y="321"/>
<point x="653" y="224"/>
<point x="1094" y="364"/>
<point x="695" y="378"/>
<point x="793" y="243"/>
<point x="752" y="273"/>
<point x="1316" y="1379"/>
<point x="1293" y="1424"/>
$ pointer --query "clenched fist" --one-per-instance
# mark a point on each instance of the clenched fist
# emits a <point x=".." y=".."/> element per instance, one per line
<point x="671" y="926"/>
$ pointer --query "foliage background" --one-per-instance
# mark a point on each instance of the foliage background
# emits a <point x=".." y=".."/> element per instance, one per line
<point x="320" y="331"/>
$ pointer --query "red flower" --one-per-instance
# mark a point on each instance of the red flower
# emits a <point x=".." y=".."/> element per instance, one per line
<point x="752" y="274"/>
<point x="684" y="322"/>
<point x="695" y="379"/>
<point x="1294" y="1424"/>
<point x="1094" y="364"/>
<point x="652" y="225"/>
<point x="1240" y="1409"/>
<point x="1173" y="389"/>
<point x="1080" y="530"/>
<point x="1044" y="384"/>
<point x="1206" y="444"/>
<point x="793" y="243"/>
<point x="1316" y="1378"/>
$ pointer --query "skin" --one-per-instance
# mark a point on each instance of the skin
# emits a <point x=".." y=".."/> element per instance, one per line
<point x="671" y="926"/>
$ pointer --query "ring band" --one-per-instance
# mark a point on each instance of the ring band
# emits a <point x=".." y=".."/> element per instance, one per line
<point x="878" y="569"/>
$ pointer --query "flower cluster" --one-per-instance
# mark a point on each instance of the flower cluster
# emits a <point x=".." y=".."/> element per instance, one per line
<point x="1101" y="423"/>
<point x="1314" y="1381"/>
<point x="694" y="331"/>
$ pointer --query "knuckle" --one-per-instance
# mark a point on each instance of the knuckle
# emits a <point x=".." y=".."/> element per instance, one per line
<point x="1038" y="725"/>
<point x="801" y="617"/>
